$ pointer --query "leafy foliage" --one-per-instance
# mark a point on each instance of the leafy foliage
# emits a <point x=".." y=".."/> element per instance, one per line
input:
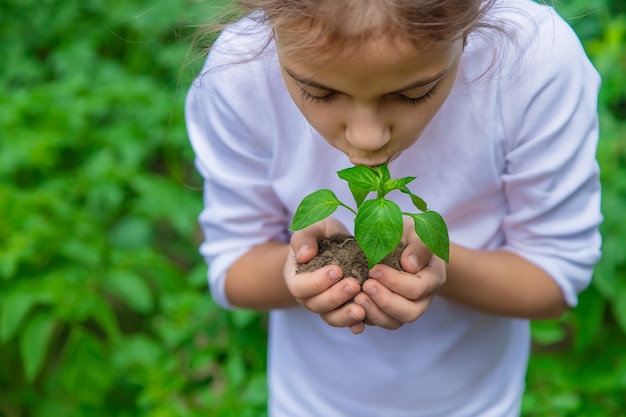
<point x="378" y="222"/>
<point x="103" y="302"/>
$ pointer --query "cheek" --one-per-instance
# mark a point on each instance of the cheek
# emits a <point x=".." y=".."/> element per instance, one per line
<point x="408" y="126"/>
<point x="325" y="121"/>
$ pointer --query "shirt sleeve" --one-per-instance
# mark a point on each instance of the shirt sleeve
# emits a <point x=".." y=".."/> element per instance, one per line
<point x="552" y="177"/>
<point x="233" y="149"/>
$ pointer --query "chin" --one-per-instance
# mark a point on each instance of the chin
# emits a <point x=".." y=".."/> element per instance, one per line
<point x="368" y="162"/>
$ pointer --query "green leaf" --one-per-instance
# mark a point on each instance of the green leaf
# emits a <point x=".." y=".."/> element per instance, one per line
<point x="313" y="208"/>
<point x="359" y="194"/>
<point x="242" y="318"/>
<point x="138" y="349"/>
<point x="397" y="184"/>
<point x="131" y="288"/>
<point x="589" y="314"/>
<point x="34" y="342"/>
<point x="378" y="229"/>
<point x="14" y="308"/>
<point x="432" y="230"/>
<point x="619" y="308"/>
<point x="102" y="313"/>
<point x="417" y="200"/>
<point x="362" y="177"/>
<point x="132" y="232"/>
<point x="383" y="172"/>
<point x="235" y="367"/>
<point x="548" y="332"/>
<point x="256" y="390"/>
<point x="88" y="367"/>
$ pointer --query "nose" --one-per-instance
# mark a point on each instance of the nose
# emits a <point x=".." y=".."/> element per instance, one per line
<point x="366" y="129"/>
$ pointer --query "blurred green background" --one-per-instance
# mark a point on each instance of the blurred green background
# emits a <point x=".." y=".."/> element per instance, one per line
<point x="104" y="309"/>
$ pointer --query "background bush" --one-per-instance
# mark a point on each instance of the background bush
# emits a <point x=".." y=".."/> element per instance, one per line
<point x="579" y="364"/>
<point x="104" y="309"/>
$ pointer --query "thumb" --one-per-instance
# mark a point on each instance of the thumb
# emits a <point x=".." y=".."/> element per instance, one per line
<point x="304" y="242"/>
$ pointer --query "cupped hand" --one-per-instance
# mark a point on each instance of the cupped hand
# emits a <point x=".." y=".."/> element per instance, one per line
<point x="392" y="298"/>
<point x="323" y="291"/>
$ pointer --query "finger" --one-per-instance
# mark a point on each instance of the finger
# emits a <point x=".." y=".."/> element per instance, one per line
<point x="390" y="310"/>
<point x="374" y="315"/>
<point x="357" y="328"/>
<point x="410" y="286"/>
<point x="309" y="284"/>
<point x="305" y="242"/>
<point x="416" y="255"/>
<point x="350" y="315"/>
<point x="334" y="297"/>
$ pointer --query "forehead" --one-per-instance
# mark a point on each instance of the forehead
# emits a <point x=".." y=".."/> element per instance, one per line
<point x="390" y="63"/>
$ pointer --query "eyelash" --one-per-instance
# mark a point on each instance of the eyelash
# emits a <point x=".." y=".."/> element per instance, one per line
<point x="418" y="100"/>
<point x="315" y="99"/>
<point x="407" y="100"/>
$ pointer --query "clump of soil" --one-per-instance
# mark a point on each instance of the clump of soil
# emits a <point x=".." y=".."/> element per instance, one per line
<point x="342" y="250"/>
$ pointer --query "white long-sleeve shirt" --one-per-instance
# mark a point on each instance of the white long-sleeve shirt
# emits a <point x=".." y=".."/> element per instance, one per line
<point x="509" y="161"/>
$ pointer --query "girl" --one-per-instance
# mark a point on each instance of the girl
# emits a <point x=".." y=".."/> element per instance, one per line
<point x="492" y="104"/>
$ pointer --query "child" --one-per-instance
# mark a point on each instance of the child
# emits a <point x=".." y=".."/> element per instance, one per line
<point x="492" y="104"/>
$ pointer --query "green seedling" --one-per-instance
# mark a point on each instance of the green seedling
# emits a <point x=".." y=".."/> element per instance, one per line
<point x="378" y="223"/>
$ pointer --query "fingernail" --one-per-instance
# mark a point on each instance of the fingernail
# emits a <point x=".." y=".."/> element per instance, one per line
<point x="302" y="249"/>
<point x="371" y="291"/>
<point x="413" y="261"/>
<point x="365" y="304"/>
<point x="334" y="275"/>
<point x="376" y="274"/>
<point x="349" y="290"/>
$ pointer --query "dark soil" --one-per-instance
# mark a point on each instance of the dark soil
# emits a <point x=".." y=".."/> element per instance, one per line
<point x="342" y="250"/>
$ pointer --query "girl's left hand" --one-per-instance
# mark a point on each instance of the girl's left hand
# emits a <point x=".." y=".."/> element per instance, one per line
<point x="392" y="298"/>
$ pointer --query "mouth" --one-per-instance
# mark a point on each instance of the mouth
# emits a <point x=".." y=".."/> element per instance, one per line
<point x="374" y="162"/>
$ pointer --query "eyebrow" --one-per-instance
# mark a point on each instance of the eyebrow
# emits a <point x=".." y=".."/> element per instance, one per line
<point x="409" y="87"/>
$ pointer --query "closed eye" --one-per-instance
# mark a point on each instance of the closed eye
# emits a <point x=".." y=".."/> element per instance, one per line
<point x="327" y="98"/>
<point x="414" y="101"/>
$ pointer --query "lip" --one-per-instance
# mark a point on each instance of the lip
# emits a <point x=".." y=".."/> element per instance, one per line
<point x="368" y="163"/>
<point x="374" y="162"/>
<point x="370" y="160"/>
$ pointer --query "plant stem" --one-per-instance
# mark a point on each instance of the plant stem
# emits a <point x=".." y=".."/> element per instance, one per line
<point x="348" y="207"/>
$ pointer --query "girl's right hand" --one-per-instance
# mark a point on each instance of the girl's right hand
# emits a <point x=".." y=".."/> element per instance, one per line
<point x="323" y="291"/>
